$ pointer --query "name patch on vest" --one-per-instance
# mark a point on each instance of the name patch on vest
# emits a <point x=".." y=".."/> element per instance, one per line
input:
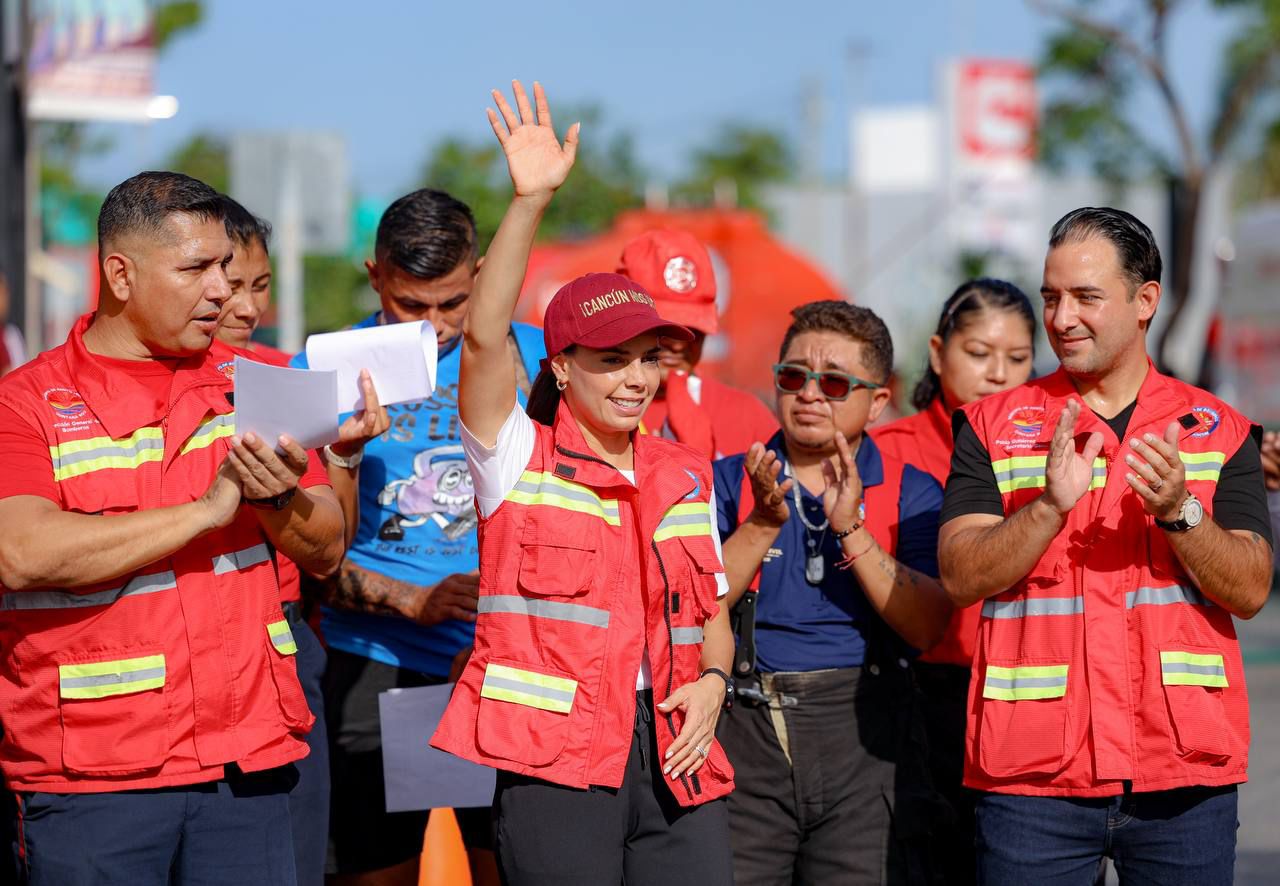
<point x="566" y="471"/>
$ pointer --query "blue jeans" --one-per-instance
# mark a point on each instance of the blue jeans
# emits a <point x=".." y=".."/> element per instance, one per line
<point x="1164" y="838"/>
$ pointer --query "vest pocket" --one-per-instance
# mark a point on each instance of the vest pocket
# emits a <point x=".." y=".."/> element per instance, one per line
<point x="1024" y="719"/>
<point x="524" y="714"/>
<point x="562" y="568"/>
<point x="701" y="553"/>
<point x="284" y="672"/>
<point x="115" y="720"/>
<point x="1193" y="680"/>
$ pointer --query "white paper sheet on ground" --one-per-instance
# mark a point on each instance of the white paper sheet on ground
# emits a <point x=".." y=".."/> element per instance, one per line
<point x="275" y="400"/>
<point x="416" y="775"/>
<point x="401" y="357"/>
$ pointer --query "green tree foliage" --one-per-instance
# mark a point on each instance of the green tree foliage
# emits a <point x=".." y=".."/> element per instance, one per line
<point x="606" y="180"/>
<point x="172" y="19"/>
<point x="748" y="157"/>
<point x="1096" y="61"/>
<point x="204" y="156"/>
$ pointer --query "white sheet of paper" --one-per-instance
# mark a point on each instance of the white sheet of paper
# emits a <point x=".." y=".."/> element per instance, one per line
<point x="275" y="400"/>
<point x="416" y="775"/>
<point x="401" y="357"/>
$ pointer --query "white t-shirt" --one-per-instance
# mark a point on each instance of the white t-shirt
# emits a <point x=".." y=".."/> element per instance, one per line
<point x="495" y="472"/>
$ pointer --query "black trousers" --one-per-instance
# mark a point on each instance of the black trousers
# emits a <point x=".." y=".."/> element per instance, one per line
<point x="551" y="835"/>
<point x="945" y="688"/>
<point x="832" y="780"/>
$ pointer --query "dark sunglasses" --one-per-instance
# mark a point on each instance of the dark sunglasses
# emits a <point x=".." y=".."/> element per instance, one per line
<point x="791" y="379"/>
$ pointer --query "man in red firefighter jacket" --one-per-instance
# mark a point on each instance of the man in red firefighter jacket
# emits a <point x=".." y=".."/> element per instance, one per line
<point x="142" y="642"/>
<point x="1110" y="520"/>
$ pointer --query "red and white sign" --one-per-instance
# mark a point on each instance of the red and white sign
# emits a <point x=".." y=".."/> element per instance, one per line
<point x="995" y="110"/>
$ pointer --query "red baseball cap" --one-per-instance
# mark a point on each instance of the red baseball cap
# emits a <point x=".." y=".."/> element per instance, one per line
<point x="676" y="269"/>
<point x="600" y="311"/>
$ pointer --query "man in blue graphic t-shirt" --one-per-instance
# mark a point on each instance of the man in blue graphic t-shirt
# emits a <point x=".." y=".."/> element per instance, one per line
<point x="403" y="604"/>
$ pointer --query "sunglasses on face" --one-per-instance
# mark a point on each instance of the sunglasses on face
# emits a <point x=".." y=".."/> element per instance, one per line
<point x="791" y="379"/>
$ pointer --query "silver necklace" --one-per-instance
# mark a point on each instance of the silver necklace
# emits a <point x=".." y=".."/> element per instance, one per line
<point x="815" y="568"/>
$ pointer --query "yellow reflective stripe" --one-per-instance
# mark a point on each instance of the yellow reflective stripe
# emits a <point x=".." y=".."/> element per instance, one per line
<point x="282" y="637"/>
<point x="685" y="519"/>
<point x="214" y="428"/>
<point x="1192" y="669"/>
<point x="101" y="679"/>
<point x="1029" y="682"/>
<point x="534" y="488"/>
<point x="528" y="688"/>
<point x="1027" y="472"/>
<point x="76" y="457"/>
<point x="1203" y="465"/>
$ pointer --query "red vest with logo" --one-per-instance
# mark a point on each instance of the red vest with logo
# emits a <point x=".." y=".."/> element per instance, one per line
<point x="1105" y="664"/>
<point x="924" y="440"/>
<point x="579" y="571"/>
<point x="163" y="676"/>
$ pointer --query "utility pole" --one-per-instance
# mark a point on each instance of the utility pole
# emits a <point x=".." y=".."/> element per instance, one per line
<point x="13" y="149"/>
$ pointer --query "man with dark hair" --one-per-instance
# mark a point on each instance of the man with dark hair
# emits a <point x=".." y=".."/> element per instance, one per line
<point x="403" y="604"/>
<point x="151" y="707"/>
<point x="1111" y="521"/>
<point x="833" y="567"/>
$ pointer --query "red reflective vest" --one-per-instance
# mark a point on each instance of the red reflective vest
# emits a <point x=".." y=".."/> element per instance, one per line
<point x="579" y="570"/>
<point x="1105" y="665"/>
<point x="924" y="440"/>
<point x="163" y="676"/>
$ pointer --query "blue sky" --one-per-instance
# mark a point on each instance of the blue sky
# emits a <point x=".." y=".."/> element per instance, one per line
<point x="395" y="76"/>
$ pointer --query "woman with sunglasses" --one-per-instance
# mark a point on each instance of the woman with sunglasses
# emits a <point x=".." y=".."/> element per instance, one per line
<point x="602" y="650"/>
<point x="831" y="547"/>
<point x="984" y="343"/>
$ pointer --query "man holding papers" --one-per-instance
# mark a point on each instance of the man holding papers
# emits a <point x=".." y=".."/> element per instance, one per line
<point x="151" y="705"/>
<point x="402" y="605"/>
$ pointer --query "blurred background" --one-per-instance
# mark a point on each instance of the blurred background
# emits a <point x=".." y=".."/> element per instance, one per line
<point x="823" y="149"/>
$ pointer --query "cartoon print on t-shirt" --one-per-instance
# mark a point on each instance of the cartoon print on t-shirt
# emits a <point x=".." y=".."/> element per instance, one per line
<point x="440" y="490"/>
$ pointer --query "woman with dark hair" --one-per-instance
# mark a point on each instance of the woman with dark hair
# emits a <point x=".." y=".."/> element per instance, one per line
<point x="984" y="343"/>
<point x="602" y="647"/>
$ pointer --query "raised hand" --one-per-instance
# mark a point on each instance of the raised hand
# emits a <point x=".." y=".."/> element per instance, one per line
<point x="364" y="424"/>
<point x="1068" y="474"/>
<point x="763" y="468"/>
<point x="538" y="163"/>
<point x="1159" y="477"/>
<point x="842" y="497"/>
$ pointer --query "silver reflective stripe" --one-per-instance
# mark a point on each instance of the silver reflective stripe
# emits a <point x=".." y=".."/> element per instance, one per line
<point x="1033" y="607"/>
<point x="685" y="520"/>
<point x="111" y="679"/>
<point x="1170" y="667"/>
<point x="563" y="491"/>
<point x="1017" y="473"/>
<point x="283" y="641"/>
<point x="62" y="461"/>
<point x="1025" y="682"/>
<point x="139" y="584"/>
<point x="686" y="636"/>
<point x="1164" y="597"/>
<point x="549" y="609"/>
<point x="224" y="563"/>
<point x="527" y="688"/>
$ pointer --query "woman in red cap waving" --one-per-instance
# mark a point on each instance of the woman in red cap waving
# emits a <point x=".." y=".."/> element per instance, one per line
<point x="602" y="647"/>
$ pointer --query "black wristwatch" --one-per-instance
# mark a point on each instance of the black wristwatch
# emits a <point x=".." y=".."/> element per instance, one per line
<point x="1189" y="516"/>
<point x="275" y="502"/>
<point x="728" y="681"/>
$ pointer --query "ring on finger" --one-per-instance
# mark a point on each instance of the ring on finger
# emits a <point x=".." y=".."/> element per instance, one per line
<point x="702" y="752"/>
<point x="1155" y="487"/>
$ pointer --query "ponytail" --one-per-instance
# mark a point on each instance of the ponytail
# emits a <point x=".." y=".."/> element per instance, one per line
<point x="544" y="398"/>
<point x="971" y="298"/>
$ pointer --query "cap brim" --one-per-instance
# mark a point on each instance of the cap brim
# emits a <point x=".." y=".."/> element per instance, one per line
<point x="626" y="328"/>
<point x="699" y="316"/>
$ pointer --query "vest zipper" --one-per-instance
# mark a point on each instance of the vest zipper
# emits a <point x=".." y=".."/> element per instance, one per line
<point x="671" y="653"/>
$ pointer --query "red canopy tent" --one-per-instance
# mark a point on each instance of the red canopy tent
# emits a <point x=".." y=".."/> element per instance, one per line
<point x="758" y="282"/>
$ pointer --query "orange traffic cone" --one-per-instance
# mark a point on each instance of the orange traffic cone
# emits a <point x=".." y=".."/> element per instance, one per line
<point x="444" y="859"/>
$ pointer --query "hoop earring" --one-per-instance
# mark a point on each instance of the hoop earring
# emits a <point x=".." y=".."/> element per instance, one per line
<point x="561" y="385"/>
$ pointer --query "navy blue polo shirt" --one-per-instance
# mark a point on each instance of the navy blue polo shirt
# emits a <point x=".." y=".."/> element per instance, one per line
<point x="803" y="627"/>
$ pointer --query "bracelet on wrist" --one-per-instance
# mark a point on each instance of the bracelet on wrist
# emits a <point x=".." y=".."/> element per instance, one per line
<point x="847" y="532"/>
<point x="348" y="462"/>
<point x="847" y="562"/>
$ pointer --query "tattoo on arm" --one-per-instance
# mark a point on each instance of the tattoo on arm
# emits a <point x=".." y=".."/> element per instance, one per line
<point x="361" y="590"/>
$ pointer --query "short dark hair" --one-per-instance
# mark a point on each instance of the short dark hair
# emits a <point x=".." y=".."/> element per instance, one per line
<point x="1133" y="241"/>
<point x="970" y="299"/>
<point x="427" y="234"/>
<point x="858" y="323"/>
<point x="243" y="227"/>
<point x="145" y="202"/>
